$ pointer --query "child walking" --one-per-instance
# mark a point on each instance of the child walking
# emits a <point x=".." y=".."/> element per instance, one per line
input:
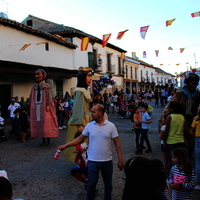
<point x="196" y="129"/>
<point x="145" y="127"/>
<point x="137" y="125"/>
<point x="181" y="178"/>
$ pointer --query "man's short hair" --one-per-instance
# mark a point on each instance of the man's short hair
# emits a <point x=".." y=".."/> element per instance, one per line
<point x="101" y="108"/>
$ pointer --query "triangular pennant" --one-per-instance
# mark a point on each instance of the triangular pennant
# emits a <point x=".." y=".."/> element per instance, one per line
<point x="41" y="43"/>
<point x="24" y="47"/>
<point x="195" y="14"/>
<point x="60" y="37"/>
<point x="157" y="51"/>
<point x="123" y="55"/>
<point x="170" y="48"/>
<point x="181" y="50"/>
<point x="144" y="54"/>
<point x="143" y="31"/>
<point x="84" y="43"/>
<point x="99" y="55"/>
<point x="121" y="34"/>
<point x="105" y="39"/>
<point x="169" y="22"/>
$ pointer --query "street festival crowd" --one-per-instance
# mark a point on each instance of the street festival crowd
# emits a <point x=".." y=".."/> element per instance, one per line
<point x="89" y="145"/>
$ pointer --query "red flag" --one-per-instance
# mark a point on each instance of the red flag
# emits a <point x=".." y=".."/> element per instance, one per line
<point x="195" y="14"/>
<point x="24" y="47"/>
<point x="181" y="50"/>
<point x="84" y="43"/>
<point x="143" y="31"/>
<point x="121" y="34"/>
<point x="123" y="55"/>
<point x="60" y="37"/>
<point x="144" y="54"/>
<point x="157" y="51"/>
<point x="105" y="39"/>
<point x="169" y="22"/>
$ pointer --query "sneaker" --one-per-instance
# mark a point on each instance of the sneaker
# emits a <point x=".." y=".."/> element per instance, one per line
<point x="148" y="151"/>
<point x="197" y="187"/>
<point x="60" y="128"/>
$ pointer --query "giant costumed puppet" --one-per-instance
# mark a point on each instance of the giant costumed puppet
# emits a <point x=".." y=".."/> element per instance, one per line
<point x="43" y="119"/>
<point x="81" y="108"/>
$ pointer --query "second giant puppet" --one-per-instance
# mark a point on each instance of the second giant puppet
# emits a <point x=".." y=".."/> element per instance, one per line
<point x="43" y="119"/>
<point x="81" y="108"/>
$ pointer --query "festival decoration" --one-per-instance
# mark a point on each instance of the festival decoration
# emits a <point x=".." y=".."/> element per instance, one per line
<point x="144" y="54"/>
<point x="41" y="43"/>
<point x="143" y="31"/>
<point x="181" y="50"/>
<point x="84" y="43"/>
<point x="157" y="51"/>
<point x="195" y="14"/>
<point x="105" y="39"/>
<point x="103" y="82"/>
<point x="24" y="47"/>
<point x="170" y="48"/>
<point x="60" y="37"/>
<point x="123" y="55"/>
<point x="121" y="34"/>
<point x="169" y="22"/>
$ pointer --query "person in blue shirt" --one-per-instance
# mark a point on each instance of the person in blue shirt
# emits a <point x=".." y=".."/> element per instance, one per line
<point x="145" y="121"/>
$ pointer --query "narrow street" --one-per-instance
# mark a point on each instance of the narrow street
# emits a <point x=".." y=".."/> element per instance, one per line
<point x="35" y="175"/>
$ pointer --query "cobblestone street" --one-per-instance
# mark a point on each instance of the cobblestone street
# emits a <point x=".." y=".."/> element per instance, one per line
<point x="35" y="175"/>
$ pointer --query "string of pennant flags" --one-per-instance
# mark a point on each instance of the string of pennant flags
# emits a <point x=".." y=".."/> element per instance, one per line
<point x="105" y="38"/>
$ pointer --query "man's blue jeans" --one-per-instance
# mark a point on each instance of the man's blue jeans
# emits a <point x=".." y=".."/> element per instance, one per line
<point x="106" y="169"/>
<point x="197" y="159"/>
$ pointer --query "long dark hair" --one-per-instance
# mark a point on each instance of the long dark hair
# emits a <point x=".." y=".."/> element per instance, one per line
<point x="81" y="76"/>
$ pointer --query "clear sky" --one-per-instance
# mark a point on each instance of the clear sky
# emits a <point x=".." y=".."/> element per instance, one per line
<point x="112" y="16"/>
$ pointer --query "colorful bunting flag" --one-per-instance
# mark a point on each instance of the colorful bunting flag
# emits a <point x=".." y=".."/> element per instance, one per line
<point x="99" y="55"/>
<point x="105" y="39"/>
<point x="181" y="50"/>
<point x="123" y="55"/>
<point x="169" y="22"/>
<point x="144" y="54"/>
<point x="41" y="43"/>
<point x="60" y="37"/>
<point x="195" y="14"/>
<point x="84" y="43"/>
<point x="143" y="31"/>
<point x="121" y="34"/>
<point x="24" y="47"/>
<point x="157" y="51"/>
<point x="170" y="48"/>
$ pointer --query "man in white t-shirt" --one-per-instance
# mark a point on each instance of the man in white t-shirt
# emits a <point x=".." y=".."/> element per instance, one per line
<point x="101" y="133"/>
<point x="11" y="108"/>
